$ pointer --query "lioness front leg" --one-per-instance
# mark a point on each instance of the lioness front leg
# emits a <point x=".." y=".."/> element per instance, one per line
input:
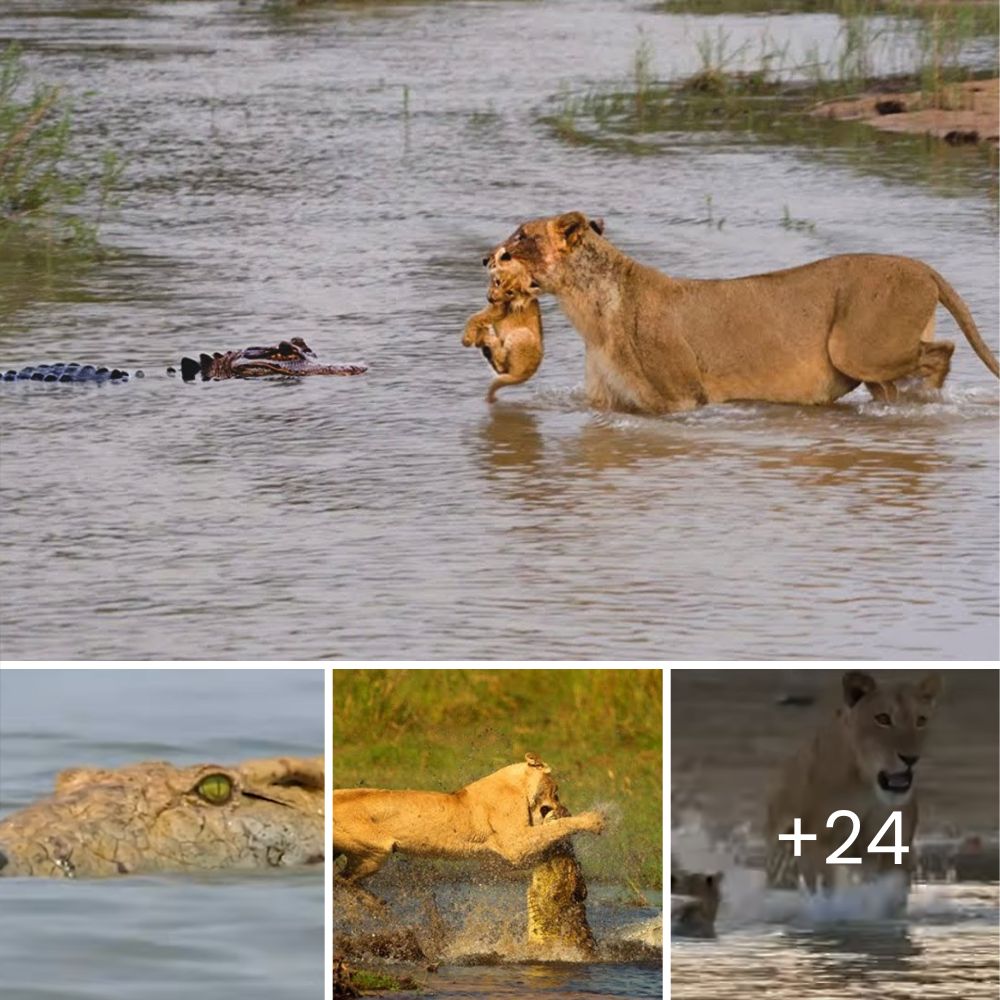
<point x="519" y="848"/>
<point x="361" y="866"/>
<point x="480" y="325"/>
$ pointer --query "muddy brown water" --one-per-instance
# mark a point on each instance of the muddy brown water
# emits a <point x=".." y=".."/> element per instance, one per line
<point x="337" y="174"/>
<point x="731" y="731"/>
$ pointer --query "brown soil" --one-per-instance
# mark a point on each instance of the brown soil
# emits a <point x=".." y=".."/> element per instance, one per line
<point x="961" y="113"/>
<point x="733" y="729"/>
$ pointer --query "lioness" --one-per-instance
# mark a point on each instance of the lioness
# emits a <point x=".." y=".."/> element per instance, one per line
<point x="508" y="330"/>
<point x="862" y="759"/>
<point x="502" y="814"/>
<point x="809" y="334"/>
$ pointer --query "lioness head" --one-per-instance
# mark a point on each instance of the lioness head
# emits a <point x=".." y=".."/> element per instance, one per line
<point x="540" y="245"/>
<point x="885" y="725"/>
<point x="541" y="790"/>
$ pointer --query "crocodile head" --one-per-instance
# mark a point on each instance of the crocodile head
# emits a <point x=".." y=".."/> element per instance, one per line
<point x="557" y="912"/>
<point x="291" y="357"/>
<point x="154" y="817"/>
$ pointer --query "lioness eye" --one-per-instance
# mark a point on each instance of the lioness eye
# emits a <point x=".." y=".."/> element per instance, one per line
<point x="883" y="720"/>
<point x="921" y="721"/>
<point x="215" y="788"/>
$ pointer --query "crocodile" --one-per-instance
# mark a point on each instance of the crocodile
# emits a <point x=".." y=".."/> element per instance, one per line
<point x="154" y="817"/>
<point x="557" y="911"/>
<point x="291" y="357"/>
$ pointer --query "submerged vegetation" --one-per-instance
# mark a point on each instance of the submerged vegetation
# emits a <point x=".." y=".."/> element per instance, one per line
<point x="52" y="198"/>
<point x="600" y="730"/>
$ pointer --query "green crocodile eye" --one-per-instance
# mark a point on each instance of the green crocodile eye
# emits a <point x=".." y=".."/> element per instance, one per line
<point x="215" y="788"/>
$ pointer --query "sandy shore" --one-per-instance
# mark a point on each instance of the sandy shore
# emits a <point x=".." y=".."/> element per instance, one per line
<point x="731" y="733"/>
<point x="970" y="113"/>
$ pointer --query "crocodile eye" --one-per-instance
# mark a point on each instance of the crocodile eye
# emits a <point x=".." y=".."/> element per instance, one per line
<point x="883" y="720"/>
<point x="921" y="721"/>
<point x="216" y="789"/>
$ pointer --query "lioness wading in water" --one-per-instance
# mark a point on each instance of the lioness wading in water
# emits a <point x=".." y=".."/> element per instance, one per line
<point x="809" y="334"/>
<point x="508" y="330"/>
<point x="863" y="760"/>
<point x="502" y="815"/>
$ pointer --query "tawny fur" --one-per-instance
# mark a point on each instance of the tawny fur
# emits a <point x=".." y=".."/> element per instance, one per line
<point x="502" y="814"/>
<point x="508" y="330"/>
<point x="809" y="334"/>
<point x="878" y="728"/>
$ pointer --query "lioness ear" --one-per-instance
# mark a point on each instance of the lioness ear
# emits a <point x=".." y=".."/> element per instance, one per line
<point x="856" y="686"/>
<point x="598" y="226"/>
<point x="929" y="687"/>
<point x="571" y="227"/>
<point x="535" y="761"/>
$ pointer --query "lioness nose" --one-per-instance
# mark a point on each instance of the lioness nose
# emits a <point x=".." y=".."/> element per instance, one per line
<point x="908" y="761"/>
<point x="486" y="262"/>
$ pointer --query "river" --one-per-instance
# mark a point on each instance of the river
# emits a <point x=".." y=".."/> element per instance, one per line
<point x="336" y="173"/>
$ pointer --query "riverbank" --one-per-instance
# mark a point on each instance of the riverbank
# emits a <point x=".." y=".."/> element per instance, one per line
<point x="960" y="114"/>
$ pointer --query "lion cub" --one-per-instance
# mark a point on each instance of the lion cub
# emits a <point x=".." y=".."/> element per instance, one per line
<point x="508" y="330"/>
<point x="694" y="914"/>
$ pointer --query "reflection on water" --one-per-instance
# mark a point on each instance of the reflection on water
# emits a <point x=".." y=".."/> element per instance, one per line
<point x="946" y="951"/>
<point x="328" y="175"/>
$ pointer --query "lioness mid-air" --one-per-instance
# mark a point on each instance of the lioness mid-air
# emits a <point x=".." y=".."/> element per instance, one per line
<point x="502" y="814"/>
<point x="810" y="334"/>
<point x="862" y="760"/>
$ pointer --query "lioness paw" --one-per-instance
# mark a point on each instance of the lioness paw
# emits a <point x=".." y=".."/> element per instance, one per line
<point x="593" y="821"/>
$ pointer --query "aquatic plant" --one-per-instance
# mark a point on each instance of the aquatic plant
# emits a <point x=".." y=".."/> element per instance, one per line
<point x="737" y="88"/>
<point x="50" y="196"/>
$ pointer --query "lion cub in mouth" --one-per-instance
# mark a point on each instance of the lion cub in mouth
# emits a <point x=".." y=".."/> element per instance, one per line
<point x="508" y="330"/>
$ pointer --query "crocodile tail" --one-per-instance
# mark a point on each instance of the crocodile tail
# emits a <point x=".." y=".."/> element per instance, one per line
<point x="953" y="302"/>
<point x="190" y="369"/>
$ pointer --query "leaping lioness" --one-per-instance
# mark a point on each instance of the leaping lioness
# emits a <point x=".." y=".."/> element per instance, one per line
<point x="809" y="334"/>
<point x="502" y="814"/>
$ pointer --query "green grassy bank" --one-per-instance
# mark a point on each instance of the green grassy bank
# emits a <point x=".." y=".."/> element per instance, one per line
<point x="599" y="730"/>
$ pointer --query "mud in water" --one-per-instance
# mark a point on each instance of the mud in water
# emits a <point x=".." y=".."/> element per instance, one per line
<point x="731" y="730"/>
<point x="474" y="934"/>
<point x="336" y="173"/>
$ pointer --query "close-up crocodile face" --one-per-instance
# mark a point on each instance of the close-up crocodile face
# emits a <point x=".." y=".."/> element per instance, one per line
<point x="153" y="817"/>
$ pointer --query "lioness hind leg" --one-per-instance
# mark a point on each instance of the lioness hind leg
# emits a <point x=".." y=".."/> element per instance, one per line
<point x="935" y="362"/>
<point x="883" y="392"/>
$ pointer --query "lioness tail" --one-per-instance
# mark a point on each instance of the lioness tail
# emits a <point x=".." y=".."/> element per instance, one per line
<point x="952" y="301"/>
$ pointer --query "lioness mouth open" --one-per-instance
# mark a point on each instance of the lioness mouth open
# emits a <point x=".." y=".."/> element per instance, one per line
<point x="898" y="782"/>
